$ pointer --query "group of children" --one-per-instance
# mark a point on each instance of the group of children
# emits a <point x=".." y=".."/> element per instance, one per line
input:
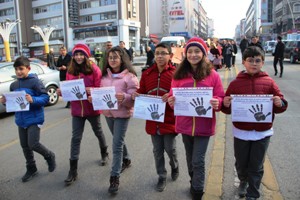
<point x="250" y="139"/>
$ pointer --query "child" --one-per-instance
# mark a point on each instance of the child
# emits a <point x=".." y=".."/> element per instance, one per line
<point x="82" y="68"/>
<point x="251" y="140"/>
<point x="118" y="72"/>
<point x="29" y="122"/>
<point x="156" y="80"/>
<point x="197" y="71"/>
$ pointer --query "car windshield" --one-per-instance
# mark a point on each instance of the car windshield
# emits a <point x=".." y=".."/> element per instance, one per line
<point x="7" y="73"/>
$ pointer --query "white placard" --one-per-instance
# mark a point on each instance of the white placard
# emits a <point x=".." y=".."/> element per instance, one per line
<point x="149" y="107"/>
<point x="73" y="90"/>
<point x="252" y="108"/>
<point x="16" y="101"/>
<point x="104" y="98"/>
<point x="193" y="102"/>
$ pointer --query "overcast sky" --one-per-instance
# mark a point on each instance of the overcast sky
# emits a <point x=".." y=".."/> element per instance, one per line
<point x="226" y="15"/>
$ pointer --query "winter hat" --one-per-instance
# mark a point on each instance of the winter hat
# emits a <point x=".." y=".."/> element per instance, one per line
<point x="83" y="48"/>
<point x="195" y="41"/>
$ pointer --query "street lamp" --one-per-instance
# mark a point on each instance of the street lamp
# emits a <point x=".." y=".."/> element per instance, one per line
<point x="5" y="29"/>
<point x="45" y="34"/>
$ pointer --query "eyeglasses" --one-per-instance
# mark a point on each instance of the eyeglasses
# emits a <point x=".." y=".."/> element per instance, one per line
<point x="254" y="61"/>
<point x="161" y="53"/>
<point x="113" y="58"/>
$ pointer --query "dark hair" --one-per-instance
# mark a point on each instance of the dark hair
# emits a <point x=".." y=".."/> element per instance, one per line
<point x="164" y="45"/>
<point x="279" y="37"/>
<point x="125" y="61"/>
<point x="253" y="51"/>
<point x="75" y="69"/>
<point x="204" y="68"/>
<point x="22" y="61"/>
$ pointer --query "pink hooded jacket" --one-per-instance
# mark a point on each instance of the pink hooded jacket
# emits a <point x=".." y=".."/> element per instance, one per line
<point x="124" y="82"/>
<point x="199" y="126"/>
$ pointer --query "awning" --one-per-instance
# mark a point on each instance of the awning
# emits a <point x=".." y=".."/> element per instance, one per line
<point x="11" y="45"/>
<point x="41" y="44"/>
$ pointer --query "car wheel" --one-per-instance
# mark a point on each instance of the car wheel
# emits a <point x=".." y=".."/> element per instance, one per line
<point x="53" y="96"/>
<point x="292" y="59"/>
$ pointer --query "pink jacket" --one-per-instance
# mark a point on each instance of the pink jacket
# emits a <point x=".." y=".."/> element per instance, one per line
<point x="83" y="108"/>
<point x="126" y="83"/>
<point x="199" y="126"/>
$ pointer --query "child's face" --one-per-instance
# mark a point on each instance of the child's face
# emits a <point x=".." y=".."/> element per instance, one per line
<point x="114" y="61"/>
<point x="22" y="71"/>
<point x="194" y="55"/>
<point x="79" y="57"/>
<point x="253" y="65"/>
<point x="162" y="56"/>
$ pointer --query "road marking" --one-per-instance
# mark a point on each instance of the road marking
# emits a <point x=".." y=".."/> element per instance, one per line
<point x="15" y="141"/>
<point x="214" y="182"/>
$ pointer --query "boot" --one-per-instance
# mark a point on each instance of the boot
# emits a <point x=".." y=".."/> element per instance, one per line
<point x="30" y="173"/>
<point x="114" y="184"/>
<point x="196" y="194"/>
<point x="175" y="173"/>
<point x="51" y="162"/>
<point x="72" y="176"/>
<point x="104" y="156"/>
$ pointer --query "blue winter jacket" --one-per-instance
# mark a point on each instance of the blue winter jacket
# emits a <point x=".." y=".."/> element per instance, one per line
<point x="33" y="86"/>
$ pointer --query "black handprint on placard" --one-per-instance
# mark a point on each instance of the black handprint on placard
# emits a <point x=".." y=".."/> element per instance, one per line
<point x="154" y="112"/>
<point x="200" y="110"/>
<point x="258" y="112"/>
<point x="107" y="100"/>
<point x="21" y="103"/>
<point x="76" y="91"/>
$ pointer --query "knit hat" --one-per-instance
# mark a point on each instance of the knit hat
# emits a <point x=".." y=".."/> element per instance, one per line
<point x="83" y="48"/>
<point x="199" y="42"/>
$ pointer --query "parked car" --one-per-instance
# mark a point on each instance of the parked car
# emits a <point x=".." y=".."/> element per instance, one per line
<point x="49" y="77"/>
<point x="292" y="50"/>
<point x="270" y="46"/>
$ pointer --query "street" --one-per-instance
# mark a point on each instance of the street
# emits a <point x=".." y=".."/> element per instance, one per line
<point x="138" y="182"/>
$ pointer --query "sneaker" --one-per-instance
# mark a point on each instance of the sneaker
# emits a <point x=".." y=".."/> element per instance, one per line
<point x="114" y="184"/>
<point x="175" y="173"/>
<point x="30" y="173"/>
<point x="126" y="164"/>
<point x="242" y="189"/>
<point x="161" y="184"/>
<point x="51" y="162"/>
<point x="196" y="194"/>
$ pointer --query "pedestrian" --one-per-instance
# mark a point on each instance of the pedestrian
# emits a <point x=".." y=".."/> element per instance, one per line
<point x="251" y="140"/>
<point x="216" y="59"/>
<point x="129" y="53"/>
<point x="150" y="58"/>
<point x="51" y="59"/>
<point x="255" y="42"/>
<point x="141" y="49"/>
<point x="108" y="46"/>
<point x="228" y="50"/>
<point x="235" y="50"/>
<point x="244" y="44"/>
<point x="156" y="81"/>
<point x="29" y="122"/>
<point x="82" y="68"/>
<point x="119" y="73"/>
<point x="62" y="65"/>
<point x="278" y="56"/>
<point x="197" y="71"/>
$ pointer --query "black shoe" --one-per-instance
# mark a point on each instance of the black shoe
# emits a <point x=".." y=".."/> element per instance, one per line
<point x="72" y="176"/>
<point x="280" y="76"/>
<point x="161" y="184"/>
<point x="242" y="189"/>
<point x="104" y="156"/>
<point x="30" y="173"/>
<point x="275" y="74"/>
<point x="126" y="164"/>
<point x="68" y="105"/>
<point x="114" y="184"/>
<point x="175" y="173"/>
<point x="196" y="194"/>
<point x="51" y="162"/>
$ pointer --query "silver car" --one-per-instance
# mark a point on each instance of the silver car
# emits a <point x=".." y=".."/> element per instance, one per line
<point x="49" y="77"/>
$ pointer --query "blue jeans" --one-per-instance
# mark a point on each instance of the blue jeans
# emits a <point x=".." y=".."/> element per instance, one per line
<point x="249" y="162"/>
<point x="118" y="128"/>
<point x="195" y="150"/>
<point x="77" y="132"/>
<point x="162" y="143"/>
<point x="30" y="141"/>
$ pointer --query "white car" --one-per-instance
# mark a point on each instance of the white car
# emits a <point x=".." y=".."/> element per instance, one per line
<point x="49" y="77"/>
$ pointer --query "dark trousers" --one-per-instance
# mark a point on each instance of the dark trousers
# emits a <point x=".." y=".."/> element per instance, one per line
<point x="276" y="60"/>
<point x="30" y="141"/>
<point x="228" y="59"/>
<point x="250" y="156"/>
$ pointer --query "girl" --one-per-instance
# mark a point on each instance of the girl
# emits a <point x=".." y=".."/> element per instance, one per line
<point x="82" y="68"/>
<point x="118" y="72"/>
<point x="196" y="71"/>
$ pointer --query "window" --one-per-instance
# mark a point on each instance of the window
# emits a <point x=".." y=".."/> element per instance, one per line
<point x="296" y="7"/>
<point x="108" y="15"/>
<point x="107" y="2"/>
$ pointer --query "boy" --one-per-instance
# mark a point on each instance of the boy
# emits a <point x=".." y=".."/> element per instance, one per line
<point x="251" y="140"/>
<point x="29" y="122"/>
<point x="156" y="80"/>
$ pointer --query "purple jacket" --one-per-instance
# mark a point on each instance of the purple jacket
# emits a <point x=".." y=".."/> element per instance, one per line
<point x="199" y="126"/>
<point x="83" y="108"/>
<point x="126" y="83"/>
